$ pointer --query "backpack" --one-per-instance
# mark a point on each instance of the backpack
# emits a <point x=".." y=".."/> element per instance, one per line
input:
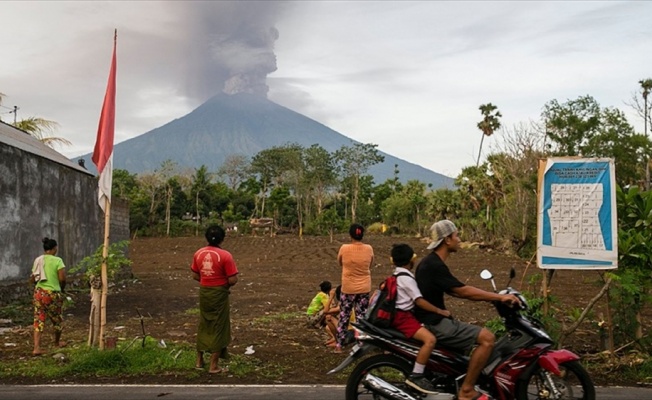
<point x="382" y="307"/>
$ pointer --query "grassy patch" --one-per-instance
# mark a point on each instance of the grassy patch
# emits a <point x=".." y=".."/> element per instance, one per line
<point x="266" y="319"/>
<point x="192" y="311"/>
<point x="20" y="313"/>
<point x="130" y="359"/>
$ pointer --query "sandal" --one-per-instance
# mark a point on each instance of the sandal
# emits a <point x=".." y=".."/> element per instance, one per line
<point x="219" y="370"/>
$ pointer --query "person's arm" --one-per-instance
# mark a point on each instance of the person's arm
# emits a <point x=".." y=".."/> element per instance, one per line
<point x="233" y="280"/>
<point x="475" y="294"/>
<point x="195" y="276"/>
<point x="62" y="279"/>
<point x="426" y="305"/>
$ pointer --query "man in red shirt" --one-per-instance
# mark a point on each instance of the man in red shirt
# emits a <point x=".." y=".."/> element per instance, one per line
<point x="216" y="272"/>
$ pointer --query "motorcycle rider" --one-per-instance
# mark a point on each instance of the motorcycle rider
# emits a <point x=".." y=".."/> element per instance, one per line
<point x="434" y="279"/>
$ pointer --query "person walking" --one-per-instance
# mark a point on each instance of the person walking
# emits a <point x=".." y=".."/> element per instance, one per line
<point x="434" y="279"/>
<point x="49" y="277"/>
<point x="356" y="259"/>
<point x="215" y="270"/>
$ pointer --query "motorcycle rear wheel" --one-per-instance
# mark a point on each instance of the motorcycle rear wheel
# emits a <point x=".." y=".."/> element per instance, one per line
<point x="574" y="384"/>
<point x="391" y="369"/>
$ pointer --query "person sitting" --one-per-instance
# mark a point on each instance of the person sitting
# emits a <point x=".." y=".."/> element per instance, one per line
<point x="407" y="297"/>
<point x="332" y="317"/>
<point x="315" y="312"/>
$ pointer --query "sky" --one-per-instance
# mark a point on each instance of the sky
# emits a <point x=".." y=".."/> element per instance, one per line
<point x="407" y="76"/>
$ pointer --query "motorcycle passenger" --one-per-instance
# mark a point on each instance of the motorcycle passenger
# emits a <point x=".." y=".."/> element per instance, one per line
<point x="408" y="295"/>
<point x="434" y="279"/>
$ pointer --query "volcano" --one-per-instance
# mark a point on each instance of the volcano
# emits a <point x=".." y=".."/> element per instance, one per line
<point x="244" y="124"/>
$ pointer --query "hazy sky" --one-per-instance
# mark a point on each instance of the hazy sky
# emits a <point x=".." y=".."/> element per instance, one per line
<point x="408" y="76"/>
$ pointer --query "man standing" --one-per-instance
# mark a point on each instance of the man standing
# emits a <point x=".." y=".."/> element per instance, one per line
<point x="434" y="279"/>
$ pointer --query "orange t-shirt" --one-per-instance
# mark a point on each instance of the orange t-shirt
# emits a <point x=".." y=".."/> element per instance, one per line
<point x="355" y="259"/>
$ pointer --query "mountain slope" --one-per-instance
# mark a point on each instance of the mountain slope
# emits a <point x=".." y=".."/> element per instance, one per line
<point x="243" y="124"/>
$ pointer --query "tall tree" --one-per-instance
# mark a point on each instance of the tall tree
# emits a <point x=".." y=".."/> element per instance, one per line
<point x="646" y="86"/>
<point x="581" y="127"/>
<point x="489" y="124"/>
<point x="235" y="169"/>
<point x="354" y="162"/>
<point x="200" y="184"/>
<point x="321" y="173"/>
<point x="572" y="124"/>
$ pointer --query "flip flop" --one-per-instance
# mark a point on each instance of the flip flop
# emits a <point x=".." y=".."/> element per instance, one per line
<point x="40" y="353"/>
<point x="62" y="344"/>
<point x="199" y="367"/>
<point x="219" y="371"/>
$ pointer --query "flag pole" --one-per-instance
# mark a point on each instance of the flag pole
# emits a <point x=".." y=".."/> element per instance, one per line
<point x="103" y="159"/>
<point x="105" y="279"/>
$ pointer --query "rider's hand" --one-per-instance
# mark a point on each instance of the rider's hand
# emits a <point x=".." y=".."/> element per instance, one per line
<point x="445" y="313"/>
<point x="510" y="300"/>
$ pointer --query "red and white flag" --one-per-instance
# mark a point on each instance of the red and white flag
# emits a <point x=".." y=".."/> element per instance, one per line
<point x="103" y="153"/>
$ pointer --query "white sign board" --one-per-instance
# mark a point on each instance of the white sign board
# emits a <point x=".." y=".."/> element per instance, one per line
<point x="577" y="221"/>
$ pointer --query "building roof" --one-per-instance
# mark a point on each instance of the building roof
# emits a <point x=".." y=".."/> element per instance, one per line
<point x="24" y="141"/>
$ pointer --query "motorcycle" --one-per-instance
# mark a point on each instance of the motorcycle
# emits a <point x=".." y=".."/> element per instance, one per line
<point x="523" y="365"/>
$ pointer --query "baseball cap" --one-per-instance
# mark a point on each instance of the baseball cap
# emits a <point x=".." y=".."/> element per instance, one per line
<point x="439" y="231"/>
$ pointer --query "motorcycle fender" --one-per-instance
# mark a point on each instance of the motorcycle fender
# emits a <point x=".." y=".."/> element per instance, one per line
<point x="358" y="351"/>
<point x="550" y="360"/>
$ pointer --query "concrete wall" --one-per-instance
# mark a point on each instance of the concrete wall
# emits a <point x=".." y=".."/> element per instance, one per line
<point x="38" y="198"/>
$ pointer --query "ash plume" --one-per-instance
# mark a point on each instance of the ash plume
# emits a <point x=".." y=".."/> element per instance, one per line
<point x="230" y="46"/>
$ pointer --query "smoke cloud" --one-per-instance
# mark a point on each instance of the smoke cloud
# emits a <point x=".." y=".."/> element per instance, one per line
<point x="230" y="46"/>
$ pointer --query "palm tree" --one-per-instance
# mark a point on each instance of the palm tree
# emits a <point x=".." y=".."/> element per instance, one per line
<point x="40" y="129"/>
<point x="489" y="124"/>
<point x="646" y="85"/>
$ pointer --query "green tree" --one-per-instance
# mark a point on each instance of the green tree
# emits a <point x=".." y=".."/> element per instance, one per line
<point x="200" y="184"/>
<point x="634" y="278"/>
<point x="235" y="169"/>
<point x="321" y="174"/>
<point x="571" y="125"/>
<point x="646" y="86"/>
<point x="124" y="184"/>
<point x="582" y="128"/>
<point x="354" y="162"/>
<point x="270" y="166"/>
<point x="489" y="124"/>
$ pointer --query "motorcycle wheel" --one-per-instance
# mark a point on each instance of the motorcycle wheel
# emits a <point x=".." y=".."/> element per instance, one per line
<point x="574" y="383"/>
<point x="391" y="369"/>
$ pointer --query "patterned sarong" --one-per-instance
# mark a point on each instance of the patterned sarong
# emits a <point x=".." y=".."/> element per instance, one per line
<point x="47" y="305"/>
<point x="214" y="332"/>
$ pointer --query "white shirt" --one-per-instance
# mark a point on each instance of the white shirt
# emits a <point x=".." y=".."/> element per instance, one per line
<point x="407" y="291"/>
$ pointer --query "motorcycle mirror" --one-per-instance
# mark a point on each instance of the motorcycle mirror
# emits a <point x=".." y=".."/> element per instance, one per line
<point x="486" y="274"/>
<point x="512" y="274"/>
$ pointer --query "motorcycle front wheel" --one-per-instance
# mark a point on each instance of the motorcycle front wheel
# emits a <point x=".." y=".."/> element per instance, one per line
<point x="574" y="383"/>
<point x="386" y="367"/>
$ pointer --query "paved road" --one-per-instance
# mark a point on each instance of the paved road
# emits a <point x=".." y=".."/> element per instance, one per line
<point x="235" y="392"/>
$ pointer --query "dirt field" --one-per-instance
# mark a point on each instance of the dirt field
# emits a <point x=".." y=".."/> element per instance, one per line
<point x="278" y="278"/>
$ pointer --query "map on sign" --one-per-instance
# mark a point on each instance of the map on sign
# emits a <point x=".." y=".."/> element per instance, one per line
<point x="577" y="214"/>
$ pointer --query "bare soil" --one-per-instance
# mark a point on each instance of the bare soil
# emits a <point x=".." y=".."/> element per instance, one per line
<point x="278" y="278"/>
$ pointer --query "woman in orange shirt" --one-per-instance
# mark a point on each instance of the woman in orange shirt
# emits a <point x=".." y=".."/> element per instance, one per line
<point x="355" y="259"/>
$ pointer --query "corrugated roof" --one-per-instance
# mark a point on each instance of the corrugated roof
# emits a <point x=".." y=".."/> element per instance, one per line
<point x="21" y="140"/>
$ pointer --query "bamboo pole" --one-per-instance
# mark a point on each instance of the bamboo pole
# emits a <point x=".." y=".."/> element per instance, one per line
<point x="105" y="255"/>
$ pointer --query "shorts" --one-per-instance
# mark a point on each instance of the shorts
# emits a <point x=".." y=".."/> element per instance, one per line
<point x="406" y="323"/>
<point x="455" y="335"/>
<point x="317" y="320"/>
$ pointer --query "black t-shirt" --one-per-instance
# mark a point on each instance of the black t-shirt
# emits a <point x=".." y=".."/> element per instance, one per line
<point x="434" y="279"/>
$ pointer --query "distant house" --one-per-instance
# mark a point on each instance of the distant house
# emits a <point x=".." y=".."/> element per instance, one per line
<point x="42" y="193"/>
